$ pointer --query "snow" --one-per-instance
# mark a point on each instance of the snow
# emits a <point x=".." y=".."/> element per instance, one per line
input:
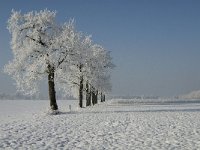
<point x="116" y="124"/>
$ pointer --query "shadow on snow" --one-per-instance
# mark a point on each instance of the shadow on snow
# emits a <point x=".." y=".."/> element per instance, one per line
<point x="123" y="105"/>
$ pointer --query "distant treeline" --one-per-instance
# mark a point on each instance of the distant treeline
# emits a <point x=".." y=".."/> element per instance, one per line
<point x="133" y="97"/>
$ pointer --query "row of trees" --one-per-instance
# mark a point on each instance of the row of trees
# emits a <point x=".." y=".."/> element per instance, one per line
<point x="43" y="48"/>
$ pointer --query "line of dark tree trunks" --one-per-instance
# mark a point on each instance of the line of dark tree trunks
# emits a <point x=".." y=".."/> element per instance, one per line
<point x="91" y="94"/>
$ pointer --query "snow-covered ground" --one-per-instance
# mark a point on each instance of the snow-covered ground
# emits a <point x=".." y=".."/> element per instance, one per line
<point x="118" y="124"/>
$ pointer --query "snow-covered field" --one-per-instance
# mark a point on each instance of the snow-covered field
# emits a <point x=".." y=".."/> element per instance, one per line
<point x="118" y="124"/>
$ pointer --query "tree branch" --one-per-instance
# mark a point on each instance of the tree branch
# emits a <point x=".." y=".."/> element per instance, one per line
<point x="40" y="41"/>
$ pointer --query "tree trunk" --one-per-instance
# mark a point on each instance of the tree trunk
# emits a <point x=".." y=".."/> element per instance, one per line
<point x="93" y="96"/>
<point x="104" y="98"/>
<point x="101" y="97"/>
<point x="81" y="92"/>
<point x="88" y="95"/>
<point x="52" y="92"/>
<point x="96" y="97"/>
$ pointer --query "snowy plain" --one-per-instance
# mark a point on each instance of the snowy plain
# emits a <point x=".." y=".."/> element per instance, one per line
<point x="116" y="124"/>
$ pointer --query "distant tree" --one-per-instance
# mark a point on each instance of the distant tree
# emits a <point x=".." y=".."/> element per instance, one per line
<point x="101" y="65"/>
<point x="37" y="50"/>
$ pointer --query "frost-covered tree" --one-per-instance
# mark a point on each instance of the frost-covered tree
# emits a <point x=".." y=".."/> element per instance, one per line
<point x="81" y="59"/>
<point x="38" y="52"/>
<point x="72" y="80"/>
<point x="100" y="66"/>
<point x="89" y="70"/>
<point x="42" y="48"/>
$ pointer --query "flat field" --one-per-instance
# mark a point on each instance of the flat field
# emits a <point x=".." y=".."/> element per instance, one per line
<point x="116" y="124"/>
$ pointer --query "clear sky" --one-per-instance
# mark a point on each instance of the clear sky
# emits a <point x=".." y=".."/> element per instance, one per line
<point x="155" y="44"/>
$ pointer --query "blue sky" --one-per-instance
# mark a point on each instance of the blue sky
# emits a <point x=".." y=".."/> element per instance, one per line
<point x="155" y="44"/>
